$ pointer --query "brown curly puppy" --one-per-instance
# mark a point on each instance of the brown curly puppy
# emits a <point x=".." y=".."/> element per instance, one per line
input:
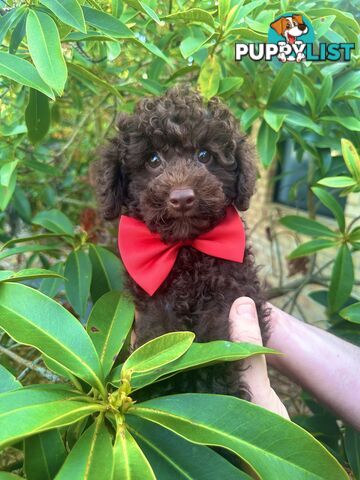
<point x="176" y="164"/>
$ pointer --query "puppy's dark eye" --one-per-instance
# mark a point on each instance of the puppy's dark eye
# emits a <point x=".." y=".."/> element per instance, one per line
<point x="154" y="161"/>
<point x="204" y="156"/>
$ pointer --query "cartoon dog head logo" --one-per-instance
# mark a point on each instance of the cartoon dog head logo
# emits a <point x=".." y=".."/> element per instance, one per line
<point x="291" y="29"/>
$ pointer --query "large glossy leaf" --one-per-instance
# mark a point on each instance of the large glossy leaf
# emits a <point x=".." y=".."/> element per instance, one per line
<point x="209" y="78"/>
<point x="78" y="273"/>
<point x="44" y="455"/>
<point x="159" y="351"/>
<point x="274" y="447"/>
<point x="173" y="457"/>
<point x="109" y="324"/>
<point x="307" y="226"/>
<point x="31" y="318"/>
<point x="107" y="272"/>
<point x="23" y="72"/>
<point x="308" y="248"/>
<point x="266" y="143"/>
<point x="92" y="456"/>
<point x="37" y="116"/>
<point x="281" y="82"/>
<point x="13" y="241"/>
<point x="45" y="49"/>
<point x="28" y="248"/>
<point x="198" y="355"/>
<point x="9" y="19"/>
<point x="342" y="278"/>
<point x="68" y="11"/>
<point x="7" y="381"/>
<point x="27" y="411"/>
<point x="337" y="182"/>
<point x="27" y="274"/>
<point x="333" y="205"/>
<point x="51" y="286"/>
<point x="106" y="23"/>
<point x="351" y="313"/>
<point x="352" y="158"/>
<point x="130" y="462"/>
<point x="55" y="221"/>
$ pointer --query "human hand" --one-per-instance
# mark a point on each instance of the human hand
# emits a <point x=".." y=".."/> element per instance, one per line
<point x="244" y="327"/>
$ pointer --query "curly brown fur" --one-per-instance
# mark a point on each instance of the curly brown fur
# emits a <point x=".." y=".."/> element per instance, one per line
<point x="200" y="289"/>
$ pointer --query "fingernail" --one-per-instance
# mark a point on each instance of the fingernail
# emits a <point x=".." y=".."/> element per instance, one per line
<point x="245" y="306"/>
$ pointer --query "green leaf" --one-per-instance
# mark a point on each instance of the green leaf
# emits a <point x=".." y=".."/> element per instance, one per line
<point x="223" y="9"/>
<point x="198" y="355"/>
<point x="78" y="272"/>
<point x="106" y="23"/>
<point x="37" y="116"/>
<point x="22" y="72"/>
<point x="27" y="274"/>
<point x="308" y="248"/>
<point x="342" y="279"/>
<point x="190" y="45"/>
<point x="13" y="241"/>
<point x="352" y="450"/>
<point x="354" y="235"/>
<point x="307" y="226"/>
<point x="129" y="460"/>
<point x="31" y="410"/>
<point x="351" y="313"/>
<point x="300" y="120"/>
<point x="45" y="49"/>
<point x="341" y="17"/>
<point x="44" y="455"/>
<point x="31" y="318"/>
<point x="332" y="204"/>
<point x="22" y="205"/>
<point x="191" y="15"/>
<point x="107" y="272"/>
<point x="247" y="34"/>
<point x="9" y="19"/>
<point x="6" y="192"/>
<point x="281" y="82"/>
<point x="248" y="117"/>
<point x="18" y="33"/>
<point x="92" y="456"/>
<point x="274" y="120"/>
<point x="9" y="476"/>
<point x="159" y="351"/>
<point x="68" y="11"/>
<point x="351" y="123"/>
<point x="86" y="77"/>
<point x="143" y="7"/>
<point x="324" y="95"/>
<point x="55" y="221"/>
<point x="109" y="324"/>
<point x="173" y="457"/>
<point x="209" y="78"/>
<point x="7" y="381"/>
<point x="90" y="36"/>
<point x="51" y="286"/>
<point x="352" y="158"/>
<point x="28" y="248"/>
<point x="337" y="182"/>
<point x="152" y="49"/>
<point x="263" y="439"/>
<point x="229" y="85"/>
<point x="266" y="144"/>
<point x="6" y="172"/>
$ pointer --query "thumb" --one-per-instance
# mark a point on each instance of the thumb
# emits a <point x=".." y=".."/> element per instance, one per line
<point x="244" y="323"/>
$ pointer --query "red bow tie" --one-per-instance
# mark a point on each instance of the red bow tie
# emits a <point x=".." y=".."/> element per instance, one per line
<point x="149" y="260"/>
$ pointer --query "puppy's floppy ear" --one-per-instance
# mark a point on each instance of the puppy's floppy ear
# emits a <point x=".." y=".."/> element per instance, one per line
<point x="278" y="25"/>
<point x="299" y="19"/>
<point x="246" y="173"/>
<point x="108" y="173"/>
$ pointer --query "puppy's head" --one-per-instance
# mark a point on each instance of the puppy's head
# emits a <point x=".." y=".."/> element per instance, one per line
<point x="176" y="164"/>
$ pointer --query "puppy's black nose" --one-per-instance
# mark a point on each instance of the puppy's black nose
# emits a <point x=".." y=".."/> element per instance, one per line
<point x="302" y="27"/>
<point x="182" y="198"/>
